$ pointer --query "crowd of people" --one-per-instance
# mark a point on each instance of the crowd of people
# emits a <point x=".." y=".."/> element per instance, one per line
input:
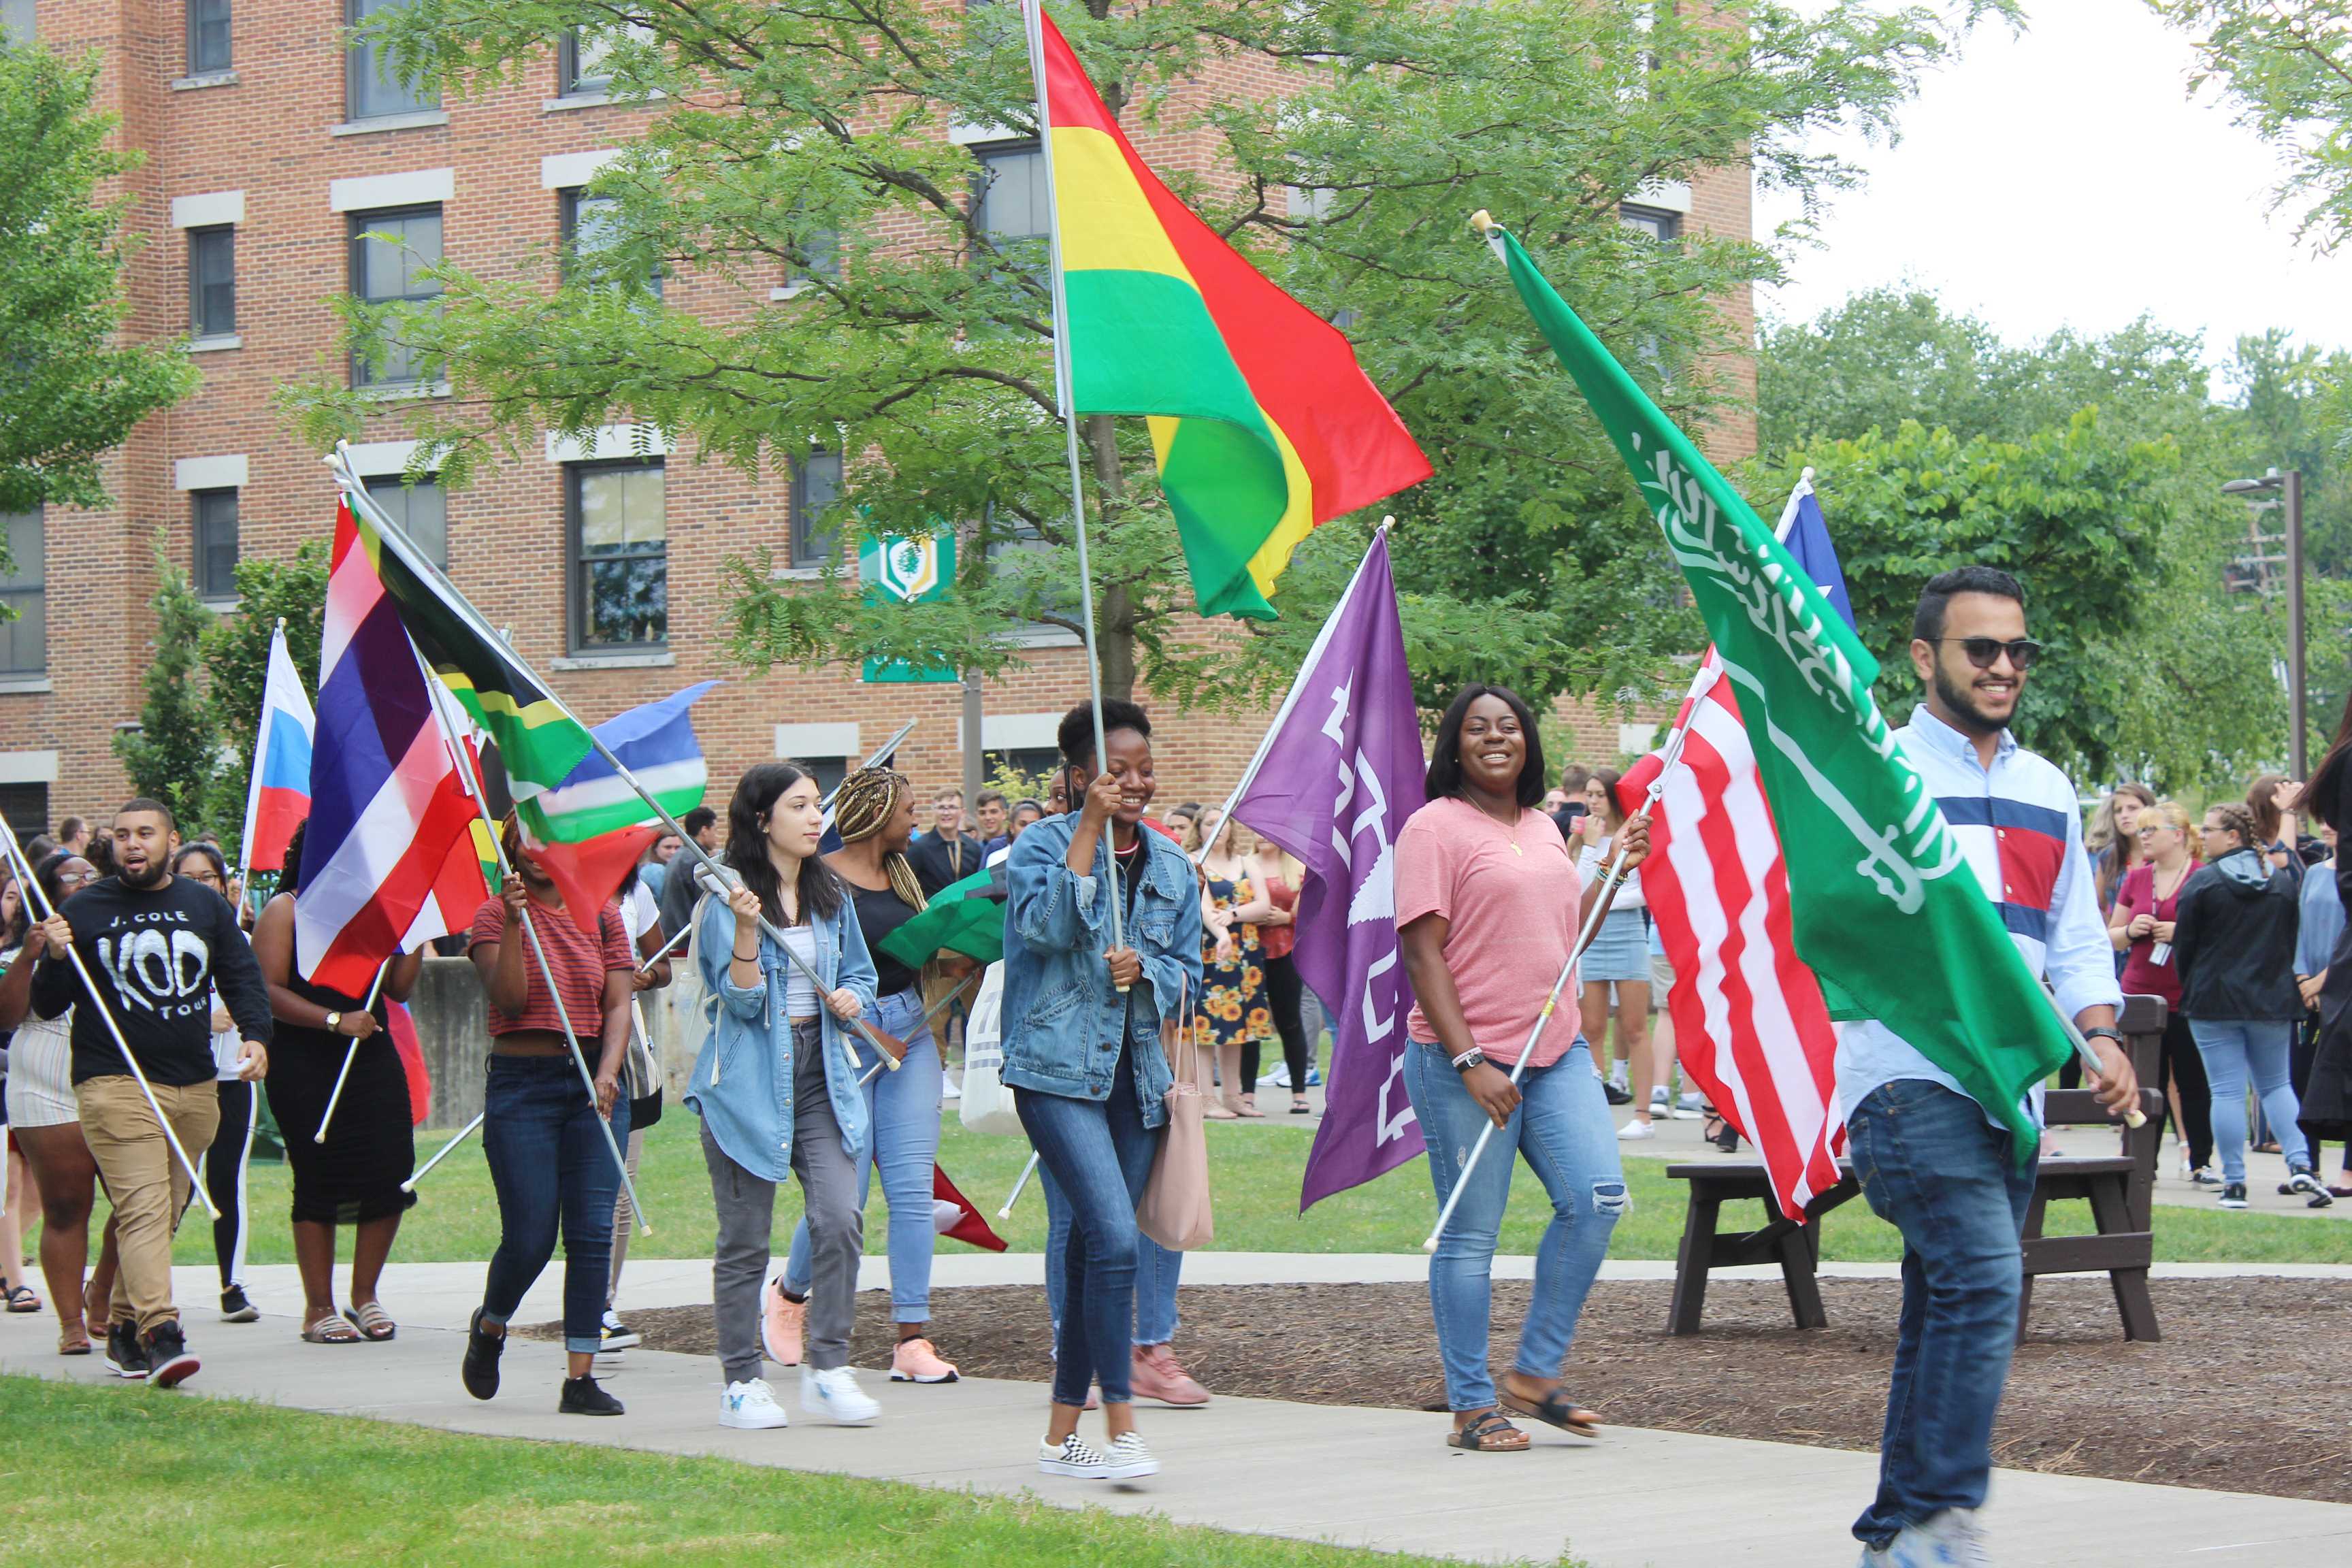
<point x="821" y="1058"/>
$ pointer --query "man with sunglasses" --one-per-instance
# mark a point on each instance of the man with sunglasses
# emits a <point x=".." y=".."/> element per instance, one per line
<point x="1931" y="1160"/>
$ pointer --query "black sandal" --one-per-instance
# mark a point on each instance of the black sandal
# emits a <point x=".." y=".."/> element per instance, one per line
<point x="1489" y="1424"/>
<point x="21" y="1298"/>
<point x="1718" y="1130"/>
<point x="1554" y="1409"/>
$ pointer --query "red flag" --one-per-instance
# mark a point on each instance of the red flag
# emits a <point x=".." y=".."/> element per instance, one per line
<point x="412" y="1062"/>
<point x="591" y="872"/>
<point x="953" y="1215"/>
<point x="1750" y="1026"/>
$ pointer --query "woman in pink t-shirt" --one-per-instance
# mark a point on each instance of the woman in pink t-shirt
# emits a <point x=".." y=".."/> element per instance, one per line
<point x="1488" y="902"/>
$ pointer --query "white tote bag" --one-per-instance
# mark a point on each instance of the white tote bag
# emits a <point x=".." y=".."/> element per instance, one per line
<point x="987" y="1104"/>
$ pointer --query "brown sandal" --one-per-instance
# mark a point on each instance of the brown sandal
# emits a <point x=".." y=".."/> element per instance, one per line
<point x="1488" y="1433"/>
<point x="1555" y="1409"/>
<point x="73" y="1339"/>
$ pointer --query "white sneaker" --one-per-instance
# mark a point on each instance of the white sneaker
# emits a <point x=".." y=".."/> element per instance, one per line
<point x="1691" y="1107"/>
<point x="1660" y="1104"/>
<point x="951" y="1089"/>
<point x="1076" y="1457"/>
<point x="1635" y="1130"/>
<point x="834" y="1392"/>
<point x="1947" y="1540"/>
<point x="1128" y="1458"/>
<point x="752" y="1405"/>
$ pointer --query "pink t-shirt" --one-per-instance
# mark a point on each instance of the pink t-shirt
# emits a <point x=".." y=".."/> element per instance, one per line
<point x="1510" y="916"/>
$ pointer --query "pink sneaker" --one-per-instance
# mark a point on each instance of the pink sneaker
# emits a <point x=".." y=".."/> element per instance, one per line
<point x="915" y="1361"/>
<point x="780" y="1324"/>
<point x="1158" y="1374"/>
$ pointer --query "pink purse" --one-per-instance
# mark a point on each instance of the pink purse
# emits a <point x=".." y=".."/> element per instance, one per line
<point x="1174" y="1211"/>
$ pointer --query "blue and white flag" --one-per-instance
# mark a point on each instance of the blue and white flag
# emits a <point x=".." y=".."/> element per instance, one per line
<point x="655" y="742"/>
<point x="1806" y="534"/>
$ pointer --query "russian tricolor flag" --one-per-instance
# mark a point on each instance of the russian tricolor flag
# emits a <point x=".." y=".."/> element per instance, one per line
<point x="278" y="797"/>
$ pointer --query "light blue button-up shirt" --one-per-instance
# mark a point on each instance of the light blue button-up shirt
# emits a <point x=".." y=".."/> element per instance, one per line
<point x="2323" y="920"/>
<point x="2022" y="834"/>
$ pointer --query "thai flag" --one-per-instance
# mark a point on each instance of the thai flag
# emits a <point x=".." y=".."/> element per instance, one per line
<point x="389" y="840"/>
<point x="278" y="797"/>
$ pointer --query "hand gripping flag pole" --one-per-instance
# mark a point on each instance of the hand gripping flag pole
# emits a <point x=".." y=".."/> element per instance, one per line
<point x="350" y="1051"/>
<point x="1674" y="752"/>
<point x="15" y="854"/>
<point x="396" y="539"/>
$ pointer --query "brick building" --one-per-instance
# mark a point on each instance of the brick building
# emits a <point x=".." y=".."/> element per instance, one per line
<point x="270" y="144"/>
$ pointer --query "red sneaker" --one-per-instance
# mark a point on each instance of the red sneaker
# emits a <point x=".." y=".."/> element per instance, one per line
<point x="1158" y="1374"/>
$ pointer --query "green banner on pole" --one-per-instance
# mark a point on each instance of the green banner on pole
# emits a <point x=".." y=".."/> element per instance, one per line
<point x="906" y="572"/>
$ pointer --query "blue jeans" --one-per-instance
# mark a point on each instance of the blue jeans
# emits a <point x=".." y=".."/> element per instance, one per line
<point x="1932" y="1166"/>
<point x="902" y="1109"/>
<point x="1157" y="1271"/>
<point x="1099" y="1153"/>
<point x="2234" y="1049"/>
<point x="549" y="1162"/>
<point x="1562" y="1128"/>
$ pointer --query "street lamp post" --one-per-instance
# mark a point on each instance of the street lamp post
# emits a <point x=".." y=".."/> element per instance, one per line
<point x="2287" y="487"/>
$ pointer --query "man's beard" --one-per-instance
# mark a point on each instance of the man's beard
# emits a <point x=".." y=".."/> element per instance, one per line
<point x="1962" y="703"/>
<point x="152" y="877"/>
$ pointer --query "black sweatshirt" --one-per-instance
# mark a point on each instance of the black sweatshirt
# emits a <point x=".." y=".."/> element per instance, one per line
<point x="158" y="955"/>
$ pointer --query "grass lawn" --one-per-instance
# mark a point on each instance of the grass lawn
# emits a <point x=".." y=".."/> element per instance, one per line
<point x="1255" y="1171"/>
<point x="215" y="1481"/>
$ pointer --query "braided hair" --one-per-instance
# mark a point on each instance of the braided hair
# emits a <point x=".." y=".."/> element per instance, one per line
<point x="863" y="807"/>
<point x="2237" y="819"/>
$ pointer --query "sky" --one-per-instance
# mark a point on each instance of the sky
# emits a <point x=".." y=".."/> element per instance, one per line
<point x="2064" y="177"/>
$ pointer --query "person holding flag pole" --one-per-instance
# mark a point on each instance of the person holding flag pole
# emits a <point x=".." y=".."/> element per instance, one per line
<point x="1488" y="902"/>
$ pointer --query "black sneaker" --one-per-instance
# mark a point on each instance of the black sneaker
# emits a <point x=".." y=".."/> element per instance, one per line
<point x="618" y="1336"/>
<point x="1616" y="1096"/>
<point x="2233" y="1196"/>
<point x="124" y="1354"/>
<point x="583" y="1398"/>
<point x="479" y="1372"/>
<point x="2304" y="1180"/>
<point x="168" y="1361"/>
<point x="236" y="1309"/>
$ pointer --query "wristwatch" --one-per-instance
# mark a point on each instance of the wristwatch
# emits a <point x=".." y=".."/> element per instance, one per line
<point x="335" y="1023"/>
<point x="2114" y="1035"/>
<point x="1473" y="1058"/>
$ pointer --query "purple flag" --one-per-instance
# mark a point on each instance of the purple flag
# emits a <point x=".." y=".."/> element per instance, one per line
<point x="1337" y="776"/>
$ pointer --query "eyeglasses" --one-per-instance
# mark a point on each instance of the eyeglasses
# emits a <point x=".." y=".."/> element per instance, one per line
<point x="79" y="878"/>
<point x="1984" y="651"/>
<point x="2155" y="829"/>
<point x="212" y="877"/>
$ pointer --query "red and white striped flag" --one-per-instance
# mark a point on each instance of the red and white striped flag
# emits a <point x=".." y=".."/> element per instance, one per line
<point x="1750" y="1026"/>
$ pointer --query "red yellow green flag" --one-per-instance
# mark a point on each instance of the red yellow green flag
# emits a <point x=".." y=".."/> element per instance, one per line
<point x="1263" y="424"/>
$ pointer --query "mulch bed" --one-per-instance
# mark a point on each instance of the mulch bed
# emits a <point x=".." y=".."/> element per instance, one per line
<point x="2247" y="1390"/>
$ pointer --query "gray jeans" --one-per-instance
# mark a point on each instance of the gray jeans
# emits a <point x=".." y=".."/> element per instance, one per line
<point x="746" y="1219"/>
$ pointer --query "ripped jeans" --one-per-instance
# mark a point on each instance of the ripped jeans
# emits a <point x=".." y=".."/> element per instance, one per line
<point x="1562" y="1129"/>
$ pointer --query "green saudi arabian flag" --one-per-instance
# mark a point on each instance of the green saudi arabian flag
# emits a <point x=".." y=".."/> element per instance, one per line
<point x="1885" y="908"/>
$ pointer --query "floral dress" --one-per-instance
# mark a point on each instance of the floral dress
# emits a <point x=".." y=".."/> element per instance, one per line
<point x="1233" y="996"/>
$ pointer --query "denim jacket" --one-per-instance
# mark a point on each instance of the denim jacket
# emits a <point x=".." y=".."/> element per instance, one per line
<point x="741" y="1084"/>
<point x="1062" y="1016"/>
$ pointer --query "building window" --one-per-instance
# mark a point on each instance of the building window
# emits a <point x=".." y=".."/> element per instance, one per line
<point x="816" y="482"/>
<point x="422" y="511"/>
<point x="591" y="230"/>
<point x="1654" y="222"/>
<point x="25" y="640"/>
<point x="215" y="560"/>
<point x="390" y="251"/>
<point x="821" y="258"/>
<point x="619" y="557"/>
<point x="1009" y="201"/>
<point x="370" y="91"/>
<point x="212" y="281"/>
<point x="16" y="18"/>
<point x="207" y="37"/>
<point x="828" y="772"/>
<point x="584" y="59"/>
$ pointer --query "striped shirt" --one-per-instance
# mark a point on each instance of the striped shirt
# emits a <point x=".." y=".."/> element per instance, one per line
<point x="2019" y="828"/>
<point x="579" y="960"/>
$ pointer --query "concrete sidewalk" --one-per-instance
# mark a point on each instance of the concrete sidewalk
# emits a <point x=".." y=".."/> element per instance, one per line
<point x="1381" y="1478"/>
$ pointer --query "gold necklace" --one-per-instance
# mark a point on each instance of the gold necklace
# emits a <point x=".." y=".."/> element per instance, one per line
<point x="1510" y="830"/>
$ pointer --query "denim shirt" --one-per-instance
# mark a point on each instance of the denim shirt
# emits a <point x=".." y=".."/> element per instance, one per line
<point x="741" y="1084"/>
<point x="1061" y="1015"/>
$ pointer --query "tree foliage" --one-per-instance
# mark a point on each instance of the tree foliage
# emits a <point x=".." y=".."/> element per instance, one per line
<point x="236" y="654"/>
<point x="2287" y="65"/>
<point x="72" y="388"/>
<point x="175" y="754"/>
<point x="785" y="142"/>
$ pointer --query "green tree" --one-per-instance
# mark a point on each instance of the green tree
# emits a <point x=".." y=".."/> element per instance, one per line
<point x="2287" y="66"/>
<point x="790" y="143"/>
<point x="175" y="754"/>
<point x="72" y="387"/>
<point x="236" y="654"/>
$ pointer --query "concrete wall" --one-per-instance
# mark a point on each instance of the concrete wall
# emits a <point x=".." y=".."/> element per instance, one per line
<point x="454" y="1028"/>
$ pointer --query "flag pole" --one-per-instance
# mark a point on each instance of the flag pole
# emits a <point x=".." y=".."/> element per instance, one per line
<point x="462" y="1134"/>
<point x="1032" y="26"/>
<point x="349" y="1052"/>
<point x="1006" y="1211"/>
<point x="530" y="931"/>
<point x="253" y="782"/>
<point x="1673" y="750"/>
<point x="356" y="494"/>
<point x="33" y="893"/>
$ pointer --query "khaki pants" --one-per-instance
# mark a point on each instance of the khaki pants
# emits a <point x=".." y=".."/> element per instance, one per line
<point x="144" y="1181"/>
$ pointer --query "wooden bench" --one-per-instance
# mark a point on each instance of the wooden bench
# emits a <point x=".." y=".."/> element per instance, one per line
<point x="2120" y="1187"/>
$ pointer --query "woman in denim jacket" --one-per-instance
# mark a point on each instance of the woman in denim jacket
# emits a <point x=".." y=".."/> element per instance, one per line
<point x="776" y="1088"/>
<point x="1082" y="1052"/>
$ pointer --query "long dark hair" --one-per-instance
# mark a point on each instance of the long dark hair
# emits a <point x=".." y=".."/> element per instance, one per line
<point x="2326" y="790"/>
<point x="290" y="875"/>
<point x="756" y="794"/>
<point x="1445" y="759"/>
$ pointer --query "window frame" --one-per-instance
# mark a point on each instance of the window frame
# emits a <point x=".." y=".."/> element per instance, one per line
<point x="1659" y="225"/>
<point x="201" y="544"/>
<point x="568" y="200"/>
<point x="811" y="550"/>
<point x="576" y="561"/>
<point x="984" y="154"/>
<point x="17" y="585"/>
<point x="360" y="65"/>
<point x="227" y="62"/>
<point x="198" y="325"/>
<point x="379" y="486"/>
<point x="362" y="225"/>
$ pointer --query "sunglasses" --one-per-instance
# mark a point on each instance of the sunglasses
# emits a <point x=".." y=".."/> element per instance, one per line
<point x="1984" y="652"/>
